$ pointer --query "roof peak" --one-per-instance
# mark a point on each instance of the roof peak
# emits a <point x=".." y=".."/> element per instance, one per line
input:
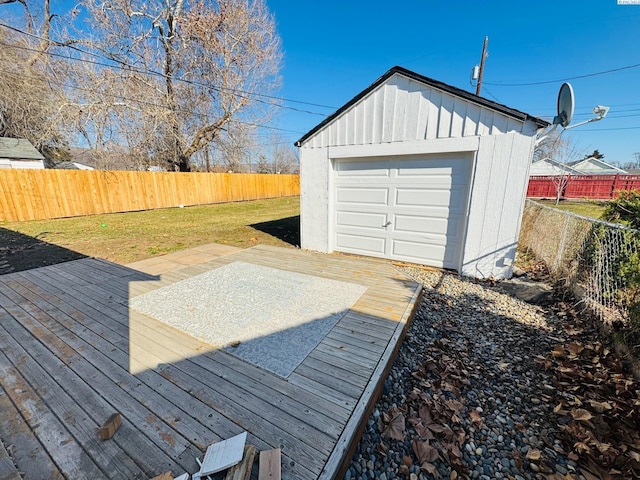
<point x="517" y="114"/>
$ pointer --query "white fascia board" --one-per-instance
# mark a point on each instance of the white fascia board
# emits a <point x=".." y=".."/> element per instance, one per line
<point x="415" y="147"/>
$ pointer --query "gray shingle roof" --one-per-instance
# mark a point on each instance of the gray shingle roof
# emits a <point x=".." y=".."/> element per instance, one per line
<point x="18" y="149"/>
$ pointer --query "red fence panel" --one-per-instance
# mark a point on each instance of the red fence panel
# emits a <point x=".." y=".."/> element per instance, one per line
<point x="590" y="186"/>
<point x="542" y="187"/>
<point x="581" y="186"/>
<point x="628" y="182"/>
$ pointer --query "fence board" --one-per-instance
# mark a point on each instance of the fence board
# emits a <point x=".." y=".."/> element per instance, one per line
<point x="582" y="186"/>
<point x="42" y="194"/>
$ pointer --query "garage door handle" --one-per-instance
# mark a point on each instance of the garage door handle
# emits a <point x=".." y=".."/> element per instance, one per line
<point x="387" y="224"/>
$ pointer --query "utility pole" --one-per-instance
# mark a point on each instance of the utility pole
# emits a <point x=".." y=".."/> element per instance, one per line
<point x="484" y="55"/>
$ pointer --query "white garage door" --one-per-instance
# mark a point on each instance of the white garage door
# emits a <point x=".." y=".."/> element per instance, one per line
<point x="411" y="209"/>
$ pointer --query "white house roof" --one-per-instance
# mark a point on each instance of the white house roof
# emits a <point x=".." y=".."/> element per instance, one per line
<point x="596" y="166"/>
<point x="548" y="166"/>
<point x="18" y="149"/>
<point x="442" y="89"/>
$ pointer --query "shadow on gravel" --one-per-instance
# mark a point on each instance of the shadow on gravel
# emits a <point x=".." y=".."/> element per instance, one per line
<point x="20" y="252"/>
<point x="285" y="229"/>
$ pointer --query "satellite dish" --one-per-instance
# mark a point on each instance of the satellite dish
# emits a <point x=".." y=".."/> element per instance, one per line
<point x="566" y="105"/>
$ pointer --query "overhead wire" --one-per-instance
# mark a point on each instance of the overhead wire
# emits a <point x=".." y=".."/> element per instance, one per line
<point x="544" y="82"/>
<point x="143" y="102"/>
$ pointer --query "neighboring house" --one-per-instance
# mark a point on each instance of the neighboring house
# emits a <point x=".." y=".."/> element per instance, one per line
<point x="415" y="170"/>
<point x="100" y="160"/>
<point x="19" y="153"/>
<point x="68" y="166"/>
<point x="596" y="166"/>
<point x="548" y="166"/>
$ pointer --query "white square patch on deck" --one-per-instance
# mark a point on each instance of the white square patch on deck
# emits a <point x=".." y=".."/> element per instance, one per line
<point x="278" y="317"/>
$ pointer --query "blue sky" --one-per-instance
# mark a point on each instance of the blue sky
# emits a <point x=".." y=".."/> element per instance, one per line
<point x="335" y="49"/>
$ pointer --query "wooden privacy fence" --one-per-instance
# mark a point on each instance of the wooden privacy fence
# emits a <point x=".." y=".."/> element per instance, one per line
<point x="42" y="194"/>
<point x="581" y="186"/>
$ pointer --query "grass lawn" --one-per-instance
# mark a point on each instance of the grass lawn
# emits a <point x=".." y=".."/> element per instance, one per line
<point x="591" y="209"/>
<point x="132" y="236"/>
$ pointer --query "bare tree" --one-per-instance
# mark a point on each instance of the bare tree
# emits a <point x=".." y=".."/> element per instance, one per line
<point x="28" y="103"/>
<point x="281" y="157"/>
<point x="184" y="71"/>
<point x="561" y="149"/>
<point x="235" y="147"/>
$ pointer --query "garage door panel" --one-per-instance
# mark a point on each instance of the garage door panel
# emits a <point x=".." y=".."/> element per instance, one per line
<point x="363" y="169"/>
<point x="454" y="199"/>
<point x="412" y="251"/>
<point x="416" y="225"/>
<point x="361" y="219"/>
<point x="438" y="182"/>
<point x="354" y="243"/>
<point x="448" y="166"/>
<point x="435" y="255"/>
<point x="412" y="197"/>
<point x="364" y="196"/>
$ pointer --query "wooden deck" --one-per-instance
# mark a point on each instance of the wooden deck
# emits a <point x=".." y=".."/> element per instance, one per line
<point x="72" y="353"/>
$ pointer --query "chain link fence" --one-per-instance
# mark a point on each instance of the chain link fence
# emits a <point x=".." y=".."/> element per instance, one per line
<point x="596" y="260"/>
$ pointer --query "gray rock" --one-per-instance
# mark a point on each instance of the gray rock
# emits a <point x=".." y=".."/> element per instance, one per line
<point x="529" y="291"/>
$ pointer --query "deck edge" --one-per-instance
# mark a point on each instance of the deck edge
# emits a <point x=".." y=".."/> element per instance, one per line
<point x="340" y="458"/>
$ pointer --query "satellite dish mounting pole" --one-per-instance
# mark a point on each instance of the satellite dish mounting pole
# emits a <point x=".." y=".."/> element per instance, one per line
<point x="484" y="55"/>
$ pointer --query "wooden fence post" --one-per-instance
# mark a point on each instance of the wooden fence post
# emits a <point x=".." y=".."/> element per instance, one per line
<point x="614" y="187"/>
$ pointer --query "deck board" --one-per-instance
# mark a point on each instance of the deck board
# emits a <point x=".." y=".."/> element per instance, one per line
<point x="72" y="353"/>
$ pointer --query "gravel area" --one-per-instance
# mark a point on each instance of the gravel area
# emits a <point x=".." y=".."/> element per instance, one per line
<point x="464" y="398"/>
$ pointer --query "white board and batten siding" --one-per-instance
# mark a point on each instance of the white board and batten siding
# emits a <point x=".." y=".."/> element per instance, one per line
<point x="416" y="173"/>
<point x="403" y="110"/>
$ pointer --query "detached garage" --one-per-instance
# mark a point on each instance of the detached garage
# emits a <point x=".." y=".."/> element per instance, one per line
<point x="415" y="170"/>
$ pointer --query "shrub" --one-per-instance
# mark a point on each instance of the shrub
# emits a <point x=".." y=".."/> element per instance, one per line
<point x="624" y="209"/>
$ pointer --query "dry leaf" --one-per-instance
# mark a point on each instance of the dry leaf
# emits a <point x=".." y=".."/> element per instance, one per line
<point x="395" y="429"/>
<point x="454" y="405"/>
<point x="503" y="366"/>
<point x="425" y="452"/>
<point x="425" y="415"/>
<point x="581" y="414"/>
<point x="574" y="349"/>
<point x="382" y="449"/>
<point x="533" y="454"/>
<point x="429" y="468"/>
<point x="600" y="407"/>
<point x="423" y="432"/>
<point x="436" y="428"/>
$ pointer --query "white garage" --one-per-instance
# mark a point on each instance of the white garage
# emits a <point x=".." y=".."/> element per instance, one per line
<point x="415" y="170"/>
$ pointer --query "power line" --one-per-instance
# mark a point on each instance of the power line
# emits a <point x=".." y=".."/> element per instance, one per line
<point x="241" y="93"/>
<point x="605" y="129"/>
<point x="604" y="72"/>
<point x="143" y="102"/>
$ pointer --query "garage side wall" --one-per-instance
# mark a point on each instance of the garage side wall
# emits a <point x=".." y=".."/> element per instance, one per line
<point x="496" y="203"/>
<point x="314" y="199"/>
